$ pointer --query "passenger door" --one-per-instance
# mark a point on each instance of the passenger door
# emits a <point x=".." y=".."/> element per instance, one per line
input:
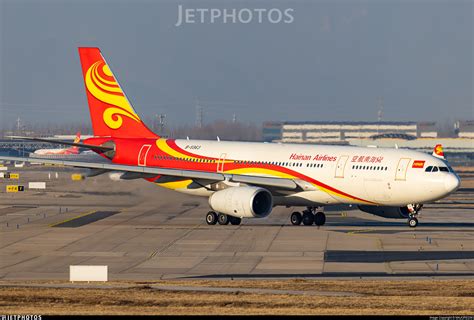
<point x="220" y="162"/>
<point x="142" y="154"/>
<point x="402" y="167"/>
<point x="341" y="164"/>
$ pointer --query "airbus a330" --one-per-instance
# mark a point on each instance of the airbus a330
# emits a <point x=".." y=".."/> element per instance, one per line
<point x="248" y="179"/>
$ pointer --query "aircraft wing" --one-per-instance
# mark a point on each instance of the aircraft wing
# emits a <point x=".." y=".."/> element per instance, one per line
<point x="142" y="172"/>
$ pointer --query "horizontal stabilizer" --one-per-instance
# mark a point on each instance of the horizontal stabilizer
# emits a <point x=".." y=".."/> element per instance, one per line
<point x="100" y="149"/>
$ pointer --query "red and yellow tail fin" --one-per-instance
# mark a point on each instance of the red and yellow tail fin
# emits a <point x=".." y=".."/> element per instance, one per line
<point x="438" y="151"/>
<point x="111" y="112"/>
<point x="75" y="149"/>
<point x="78" y="138"/>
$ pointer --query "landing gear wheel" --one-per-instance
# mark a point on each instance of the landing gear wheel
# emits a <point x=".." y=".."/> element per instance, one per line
<point x="413" y="222"/>
<point x="296" y="218"/>
<point x="234" y="220"/>
<point x="211" y="218"/>
<point x="223" y="219"/>
<point x="308" y="218"/>
<point x="319" y="218"/>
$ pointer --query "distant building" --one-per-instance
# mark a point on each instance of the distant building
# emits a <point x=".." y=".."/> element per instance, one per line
<point x="343" y="132"/>
<point x="271" y="131"/>
<point x="426" y="130"/>
<point x="464" y="128"/>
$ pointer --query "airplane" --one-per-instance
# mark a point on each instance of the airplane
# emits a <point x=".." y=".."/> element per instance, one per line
<point x="62" y="151"/>
<point x="248" y="179"/>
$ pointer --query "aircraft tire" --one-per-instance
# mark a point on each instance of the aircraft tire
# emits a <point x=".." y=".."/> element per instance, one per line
<point x="413" y="222"/>
<point x="211" y="218"/>
<point x="235" y="221"/>
<point x="223" y="219"/>
<point x="308" y="218"/>
<point x="319" y="218"/>
<point x="296" y="218"/>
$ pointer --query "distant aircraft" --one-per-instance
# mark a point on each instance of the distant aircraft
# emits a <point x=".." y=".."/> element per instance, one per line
<point x="71" y="150"/>
<point x="248" y="179"/>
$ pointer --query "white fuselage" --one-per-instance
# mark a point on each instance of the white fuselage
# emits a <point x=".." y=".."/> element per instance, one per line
<point x="333" y="174"/>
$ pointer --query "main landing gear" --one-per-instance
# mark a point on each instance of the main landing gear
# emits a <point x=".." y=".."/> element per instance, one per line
<point x="223" y="219"/>
<point x="308" y="217"/>
<point x="414" y="211"/>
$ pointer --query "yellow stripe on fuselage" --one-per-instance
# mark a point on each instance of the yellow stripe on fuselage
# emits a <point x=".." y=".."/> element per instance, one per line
<point x="176" y="184"/>
<point x="163" y="146"/>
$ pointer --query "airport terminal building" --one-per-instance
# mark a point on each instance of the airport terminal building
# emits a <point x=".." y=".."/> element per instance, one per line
<point x="343" y="132"/>
<point x="420" y="136"/>
<point x="464" y="128"/>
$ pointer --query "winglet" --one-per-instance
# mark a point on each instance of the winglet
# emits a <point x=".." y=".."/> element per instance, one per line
<point x="438" y="151"/>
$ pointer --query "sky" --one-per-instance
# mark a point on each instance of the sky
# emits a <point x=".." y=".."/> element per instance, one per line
<point x="333" y="61"/>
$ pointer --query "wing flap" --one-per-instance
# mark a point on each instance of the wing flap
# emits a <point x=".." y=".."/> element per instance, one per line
<point x="266" y="181"/>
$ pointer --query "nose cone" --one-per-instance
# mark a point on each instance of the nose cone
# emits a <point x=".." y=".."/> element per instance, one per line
<point x="451" y="183"/>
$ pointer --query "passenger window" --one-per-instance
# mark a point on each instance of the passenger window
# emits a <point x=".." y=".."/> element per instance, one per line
<point x="435" y="169"/>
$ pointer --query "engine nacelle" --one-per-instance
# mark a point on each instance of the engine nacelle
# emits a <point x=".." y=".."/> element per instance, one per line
<point x="242" y="202"/>
<point x="387" y="212"/>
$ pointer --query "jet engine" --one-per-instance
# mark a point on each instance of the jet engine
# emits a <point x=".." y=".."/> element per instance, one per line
<point x="242" y="202"/>
<point x="390" y="212"/>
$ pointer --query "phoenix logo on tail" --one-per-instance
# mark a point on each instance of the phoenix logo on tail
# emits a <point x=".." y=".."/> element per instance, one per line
<point x="438" y="151"/>
<point x="111" y="112"/>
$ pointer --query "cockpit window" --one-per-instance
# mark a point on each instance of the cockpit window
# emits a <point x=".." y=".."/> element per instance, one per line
<point x="436" y="169"/>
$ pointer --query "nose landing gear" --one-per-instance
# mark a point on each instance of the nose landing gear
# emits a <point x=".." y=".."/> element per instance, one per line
<point x="413" y="222"/>
<point x="414" y="211"/>
<point x="308" y="217"/>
